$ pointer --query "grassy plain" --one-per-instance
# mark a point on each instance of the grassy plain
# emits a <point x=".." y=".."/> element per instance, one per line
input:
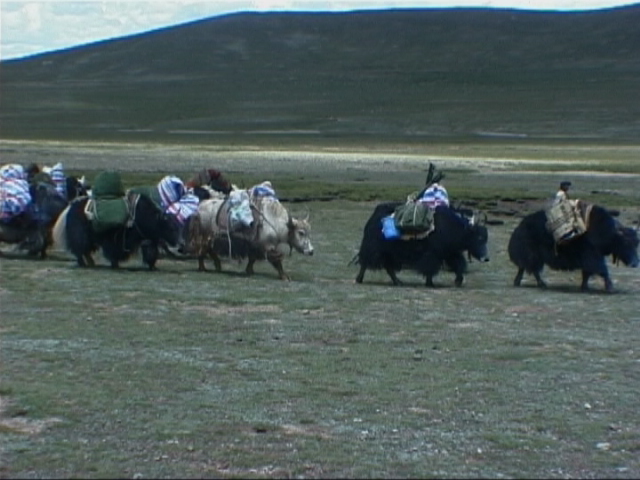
<point x="177" y="373"/>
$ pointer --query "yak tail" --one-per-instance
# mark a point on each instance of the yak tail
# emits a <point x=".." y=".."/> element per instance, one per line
<point x="355" y="260"/>
<point x="59" y="232"/>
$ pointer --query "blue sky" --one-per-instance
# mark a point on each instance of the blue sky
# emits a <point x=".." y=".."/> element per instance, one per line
<point x="30" y="27"/>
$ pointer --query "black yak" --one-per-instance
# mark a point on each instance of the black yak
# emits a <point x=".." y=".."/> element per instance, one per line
<point x="453" y="234"/>
<point x="146" y="227"/>
<point x="33" y="232"/>
<point x="532" y="246"/>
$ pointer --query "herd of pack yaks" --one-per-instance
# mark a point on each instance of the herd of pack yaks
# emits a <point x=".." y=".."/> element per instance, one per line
<point x="456" y="236"/>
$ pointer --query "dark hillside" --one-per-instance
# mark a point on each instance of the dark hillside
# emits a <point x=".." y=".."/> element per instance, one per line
<point x="402" y="74"/>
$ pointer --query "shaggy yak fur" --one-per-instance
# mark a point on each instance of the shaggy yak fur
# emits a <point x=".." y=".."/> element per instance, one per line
<point x="532" y="246"/>
<point x="453" y="234"/>
<point x="273" y="226"/>
<point x="149" y="227"/>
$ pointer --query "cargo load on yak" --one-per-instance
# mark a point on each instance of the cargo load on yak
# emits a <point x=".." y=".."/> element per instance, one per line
<point x="15" y="199"/>
<point x="414" y="219"/>
<point x="171" y="195"/>
<point x="565" y="220"/>
<point x="15" y="196"/>
<point x="107" y="207"/>
<point x="58" y="178"/>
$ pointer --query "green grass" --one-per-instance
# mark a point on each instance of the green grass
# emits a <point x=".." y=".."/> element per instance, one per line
<point x="180" y="373"/>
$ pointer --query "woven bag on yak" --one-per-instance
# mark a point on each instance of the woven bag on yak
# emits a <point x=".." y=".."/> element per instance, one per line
<point x="108" y="213"/>
<point x="108" y="207"/>
<point x="413" y="217"/>
<point x="564" y="221"/>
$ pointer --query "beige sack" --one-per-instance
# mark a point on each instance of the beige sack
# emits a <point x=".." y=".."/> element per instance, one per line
<point x="564" y="221"/>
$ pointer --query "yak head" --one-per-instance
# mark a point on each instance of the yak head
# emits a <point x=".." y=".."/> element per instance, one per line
<point x="76" y="187"/>
<point x="625" y="248"/>
<point x="300" y="235"/>
<point x="478" y="237"/>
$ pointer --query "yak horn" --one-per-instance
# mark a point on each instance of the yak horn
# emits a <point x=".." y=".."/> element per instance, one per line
<point x="306" y="213"/>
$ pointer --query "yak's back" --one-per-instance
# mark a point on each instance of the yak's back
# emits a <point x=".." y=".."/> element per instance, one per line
<point x="272" y="210"/>
<point x="272" y="221"/>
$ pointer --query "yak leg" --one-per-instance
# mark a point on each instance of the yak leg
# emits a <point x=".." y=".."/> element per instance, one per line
<point x="89" y="261"/>
<point x="249" y="270"/>
<point x="389" y="268"/>
<point x="360" y="276"/>
<point x="541" y="283"/>
<point x="216" y="261"/>
<point x="150" y="253"/>
<point x="201" y="266"/>
<point x="80" y="260"/>
<point x="536" y="273"/>
<point x="275" y="258"/>
<point x="608" y="284"/>
<point x="394" y="277"/>
<point x="84" y="259"/>
<point x="429" y="265"/>
<point x="594" y="263"/>
<point x="518" y="280"/>
<point x="458" y="265"/>
<point x="391" y="272"/>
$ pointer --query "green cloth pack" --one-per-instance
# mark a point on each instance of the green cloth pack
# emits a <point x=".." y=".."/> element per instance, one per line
<point x="107" y="184"/>
<point x="109" y="213"/>
<point x="413" y="217"/>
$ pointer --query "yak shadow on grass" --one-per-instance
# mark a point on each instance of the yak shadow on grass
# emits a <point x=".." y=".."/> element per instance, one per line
<point x="256" y="274"/>
<point x="571" y="289"/>
<point x="102" y="267"/>
<point x="17" y="255"/>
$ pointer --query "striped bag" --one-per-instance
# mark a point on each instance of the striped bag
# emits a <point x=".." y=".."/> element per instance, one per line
<point x="59" y="179"/>
<point x="435" y="196"/>
<point x="171" y="189"/>
<point x="14" y="198"/>
<point x="184" y="208"/>
<point x="12" y="171"/>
